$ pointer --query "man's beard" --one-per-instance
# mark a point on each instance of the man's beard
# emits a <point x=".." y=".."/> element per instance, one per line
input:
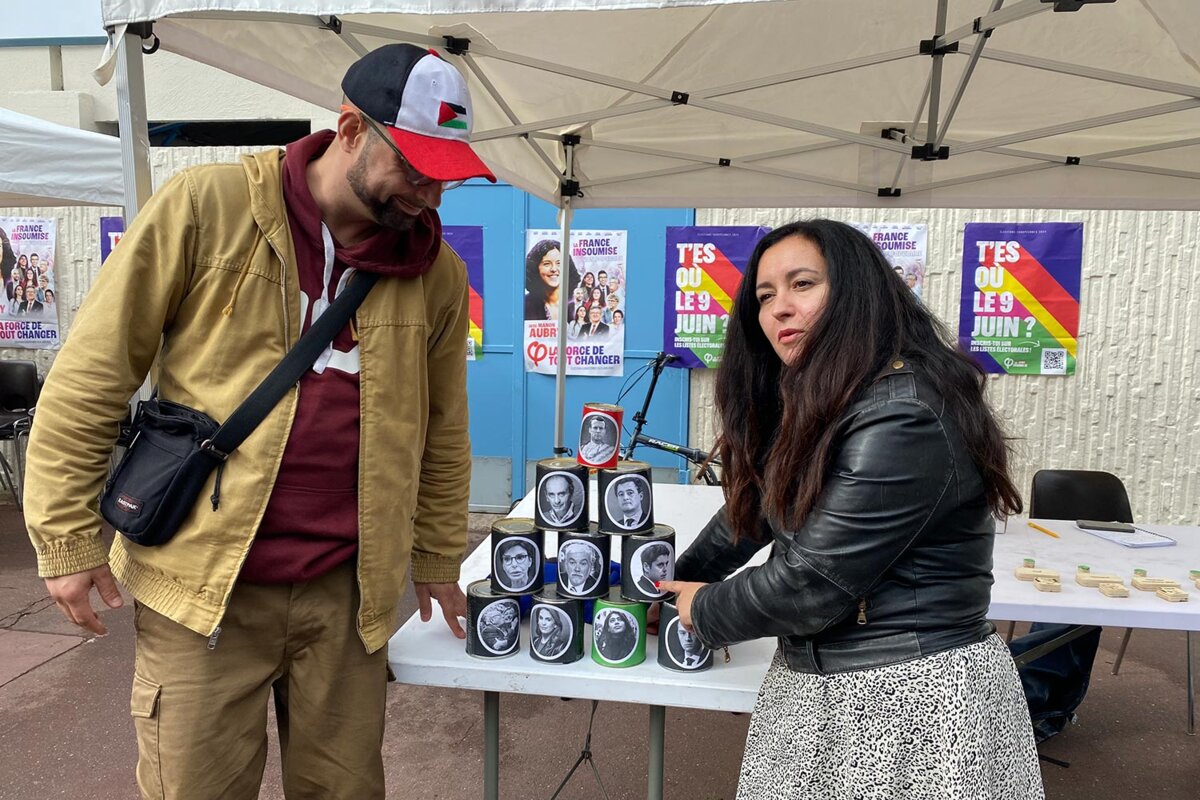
<point x="382" y="211"/>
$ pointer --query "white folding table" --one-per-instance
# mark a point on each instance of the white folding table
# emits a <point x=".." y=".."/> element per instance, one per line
<point x="427" y="654"/>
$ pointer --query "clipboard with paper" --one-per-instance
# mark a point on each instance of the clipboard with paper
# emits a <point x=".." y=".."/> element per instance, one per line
<point x="1124" y="534"/>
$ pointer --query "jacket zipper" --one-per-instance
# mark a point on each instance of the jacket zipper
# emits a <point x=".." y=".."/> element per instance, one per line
<point x="862" y="611"/>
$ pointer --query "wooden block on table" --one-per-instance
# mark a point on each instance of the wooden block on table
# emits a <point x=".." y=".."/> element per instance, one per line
<point x="1047" y="584"/>
<point x="1033" y="573"/>
<point x="1172" y="594"/>
<point x="1153" y="584"/>
<point x="1094" y="579"/>
<point x="1113" y="590"/>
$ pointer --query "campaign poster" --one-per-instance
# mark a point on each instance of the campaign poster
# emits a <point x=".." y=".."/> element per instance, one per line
<point x="1019" y="310"/>
<point x="29" y="307"/>
<point x="111" y="231"/>
<point x="467" y="241"/>
<point x="592" y="282"/>
<point x="903" y="245"/>
<point x="704" y="267"/>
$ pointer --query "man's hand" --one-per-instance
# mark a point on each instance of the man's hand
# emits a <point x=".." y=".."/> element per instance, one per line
<point x="72" y="594"/>
<point x="686" y="591"/>
<point x="451" y="599"/>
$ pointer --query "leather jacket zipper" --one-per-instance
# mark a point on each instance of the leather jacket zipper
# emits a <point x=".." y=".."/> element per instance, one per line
<point x="862" y="611"/>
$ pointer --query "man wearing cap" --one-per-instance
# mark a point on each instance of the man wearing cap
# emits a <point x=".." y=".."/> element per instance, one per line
<point x="290" y="587"/>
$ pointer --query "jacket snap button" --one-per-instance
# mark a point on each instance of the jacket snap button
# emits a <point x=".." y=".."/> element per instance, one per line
<point x="897" y="364"/>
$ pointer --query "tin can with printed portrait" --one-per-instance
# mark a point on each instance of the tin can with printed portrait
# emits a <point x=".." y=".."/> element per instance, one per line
<point x="626" y="498"/>
<point x="647" y="558"/>
<point x="517" y="556"/>
<point x="618" y="632"/>
<point x="555" y="628"/>
<point x="678" y="648"/>
<point x="561" y="502"/>
<point x="493" y="622"/>
<point x="600" y="435"/>
<point x="583" y="569"/>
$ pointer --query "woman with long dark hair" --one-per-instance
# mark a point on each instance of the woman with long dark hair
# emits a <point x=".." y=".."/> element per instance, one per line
<point x="858" y="443"/>
<point x="544" y="280"/>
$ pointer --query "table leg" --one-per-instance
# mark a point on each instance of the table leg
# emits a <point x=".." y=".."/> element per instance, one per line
<point x="658" y="725"/>
<point x="1191" y="690"/>
<point x="491" y="746"/>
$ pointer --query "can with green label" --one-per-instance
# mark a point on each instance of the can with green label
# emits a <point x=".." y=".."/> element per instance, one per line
<point x="618" y="632"/>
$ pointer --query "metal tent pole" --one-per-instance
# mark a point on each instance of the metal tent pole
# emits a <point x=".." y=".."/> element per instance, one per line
<point x="567" y="193"/>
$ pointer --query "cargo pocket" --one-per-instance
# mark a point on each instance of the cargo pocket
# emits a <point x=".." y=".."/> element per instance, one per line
<point x="143" y="706"/>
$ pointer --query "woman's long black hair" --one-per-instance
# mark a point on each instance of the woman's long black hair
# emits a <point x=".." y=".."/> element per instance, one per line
<point x="778" y="421"/>
<point x="568" y="276"/>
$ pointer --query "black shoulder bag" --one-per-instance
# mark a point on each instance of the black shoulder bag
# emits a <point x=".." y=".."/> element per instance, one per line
<point x="175" y="448"/>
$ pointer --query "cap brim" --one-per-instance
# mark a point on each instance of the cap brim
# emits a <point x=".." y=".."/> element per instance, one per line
<point x="440" y="159"/>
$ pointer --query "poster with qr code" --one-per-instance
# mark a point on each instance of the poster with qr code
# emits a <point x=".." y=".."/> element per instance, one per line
<point x="1019" y="312"/>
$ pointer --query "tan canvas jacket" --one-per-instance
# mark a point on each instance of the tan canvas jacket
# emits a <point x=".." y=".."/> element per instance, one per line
<point x="208" y="269"/>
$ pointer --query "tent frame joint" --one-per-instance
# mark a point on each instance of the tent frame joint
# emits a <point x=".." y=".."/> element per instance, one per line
<point x="1073" y="5"/>
<point x="569" y="188"/>
<point x="887" y="191"/>
<point x="930" y="47"/>
<point x="930" y="152"/>
<point x="724" y="162"/>
<point x="898" y="134"/>
<point x="457" y="45"/>
<point x="680" y="98"/>
<point x="1072" y="161"/>
<point x="332" y="24"/>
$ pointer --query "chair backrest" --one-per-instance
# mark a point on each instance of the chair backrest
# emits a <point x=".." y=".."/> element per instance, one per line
<point x="1079" y="494"/>
<point x="18" y="385"/>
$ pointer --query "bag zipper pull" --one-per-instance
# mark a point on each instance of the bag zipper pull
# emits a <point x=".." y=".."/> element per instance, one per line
<point x="862" y="611"/>
<point x="216" y="495"/>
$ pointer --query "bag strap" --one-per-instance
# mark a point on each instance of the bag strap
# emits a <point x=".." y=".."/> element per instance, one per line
<point x="299" y="359"/>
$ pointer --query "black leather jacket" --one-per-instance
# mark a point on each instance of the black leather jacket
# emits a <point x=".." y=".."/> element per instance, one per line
<point x="894" y="562"/>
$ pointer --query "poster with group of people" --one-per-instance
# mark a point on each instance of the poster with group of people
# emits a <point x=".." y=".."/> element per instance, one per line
<point x="903" y="244"/>
<point x="467" y="241"/>
<point x="29" y="306"/>
<point x="592" y="281"/>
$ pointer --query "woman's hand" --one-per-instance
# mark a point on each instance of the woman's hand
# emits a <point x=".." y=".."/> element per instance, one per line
<point x="686" y="590"/>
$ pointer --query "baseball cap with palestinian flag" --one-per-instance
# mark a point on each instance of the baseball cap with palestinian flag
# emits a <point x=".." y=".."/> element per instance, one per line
<point x="423" y="104"/>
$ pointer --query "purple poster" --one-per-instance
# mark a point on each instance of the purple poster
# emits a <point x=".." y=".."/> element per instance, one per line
<point x="1019" y="312"/>
<point x="467" y="241"/>
<point x="111" y="230"/>
<point x="704" y="267"/>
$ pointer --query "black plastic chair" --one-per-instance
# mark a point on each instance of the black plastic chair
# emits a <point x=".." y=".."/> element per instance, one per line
<point x="19" y="389"/>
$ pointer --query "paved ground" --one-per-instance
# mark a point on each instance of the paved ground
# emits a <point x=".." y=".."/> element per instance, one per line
<point x="65" y="728"/>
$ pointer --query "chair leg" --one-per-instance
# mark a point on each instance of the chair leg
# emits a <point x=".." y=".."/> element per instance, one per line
<point x="1191" y="690"/>
<point x="7" y="478"/>
<point x="22" y="433"/>
<point x="1121" y="651"/>
<point x="1012" y="626"/>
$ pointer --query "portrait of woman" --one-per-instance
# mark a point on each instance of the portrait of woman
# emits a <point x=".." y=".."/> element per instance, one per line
<point x="579" y="323"/>
<point x="516" y="564"/>
<point x="857" y="437"/>
<point x="545" y="278"/>
<point x="589" y="283"/>
<point x="616" y="634"/>
<point x="551" y="631"/>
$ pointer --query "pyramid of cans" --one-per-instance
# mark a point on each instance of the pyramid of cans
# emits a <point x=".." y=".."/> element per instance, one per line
<point x="556" y="619"/>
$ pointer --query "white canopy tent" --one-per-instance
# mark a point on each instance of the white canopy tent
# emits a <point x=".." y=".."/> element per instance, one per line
<point x="44" y="164"/>
<point x="698" y="103"/>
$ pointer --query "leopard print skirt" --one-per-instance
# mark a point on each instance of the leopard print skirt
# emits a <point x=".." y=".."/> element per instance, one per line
<point x="951" y="725"/>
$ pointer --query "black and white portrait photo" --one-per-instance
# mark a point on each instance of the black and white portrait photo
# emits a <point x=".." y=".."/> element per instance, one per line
<point x="560" y="499"/>
<point x="628" y="501"/>
<point x="515" y="563"/>
<point x="616" y="634"/>
<point x="579" y="567"/>
<point x="650" y="564"/>
<point x="499" y="625"/>
<point x="550" y="631"/>
<point x="684" y="647"/>
<point x="597" y="438"/>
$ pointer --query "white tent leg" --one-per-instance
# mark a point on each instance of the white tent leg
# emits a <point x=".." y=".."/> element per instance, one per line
<point x="564" y="281"/>
<point x="131" y="115"/>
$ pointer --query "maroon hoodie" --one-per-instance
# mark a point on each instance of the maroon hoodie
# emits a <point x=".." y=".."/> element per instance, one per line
<point x="311" y="522"/>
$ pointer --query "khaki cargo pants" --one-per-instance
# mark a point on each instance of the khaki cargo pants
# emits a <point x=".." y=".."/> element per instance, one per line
<point x="200" y="705"/>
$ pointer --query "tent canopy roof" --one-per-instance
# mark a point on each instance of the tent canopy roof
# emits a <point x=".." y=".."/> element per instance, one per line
<point x="44" y="164"/>
<point x="771" y="103"/>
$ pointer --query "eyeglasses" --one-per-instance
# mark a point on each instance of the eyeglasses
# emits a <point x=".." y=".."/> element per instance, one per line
<point x="508" y="559"/>
<point x="411" y="174"/>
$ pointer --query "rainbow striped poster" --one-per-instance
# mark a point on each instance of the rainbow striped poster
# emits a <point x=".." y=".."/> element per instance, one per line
<point x="467" y="241"/>
<point x="1020" y="296"/>
<point x="704" y="267"/>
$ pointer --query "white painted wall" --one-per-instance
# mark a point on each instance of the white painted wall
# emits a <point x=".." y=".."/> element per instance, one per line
<point x="1133" y="406"/>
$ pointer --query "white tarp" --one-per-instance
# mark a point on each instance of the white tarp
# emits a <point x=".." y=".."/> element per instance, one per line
<point x="794" y="96"/>
<point x="44" y="164"/>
